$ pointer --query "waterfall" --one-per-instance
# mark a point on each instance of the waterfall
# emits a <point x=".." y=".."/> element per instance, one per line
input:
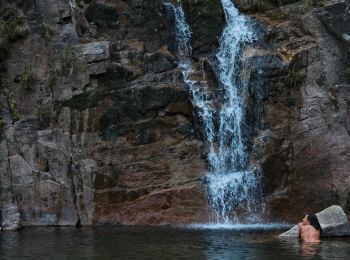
<point x="200" y="98"/>
<point x="231" y="181"/>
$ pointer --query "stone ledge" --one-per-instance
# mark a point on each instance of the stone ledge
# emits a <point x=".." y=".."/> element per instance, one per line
<point x="93" y="51"/>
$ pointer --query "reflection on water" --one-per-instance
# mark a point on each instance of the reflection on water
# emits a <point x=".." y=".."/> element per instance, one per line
<point x="310" y="249"/>
<point x="163" y="243"/>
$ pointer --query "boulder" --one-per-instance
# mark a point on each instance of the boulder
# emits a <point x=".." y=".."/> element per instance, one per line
<point x="331" y="219"/>
<point x="293" y="232"/>
<point x="337" y="231"/>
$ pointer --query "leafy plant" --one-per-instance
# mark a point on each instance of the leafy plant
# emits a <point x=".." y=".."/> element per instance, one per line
<point x="13" y="106"/>
<point x="67" y="61"/>
<point x="12" y="28"/>
<point x="2" y="123"/>
<point x="311" y="3"/>
<point x="12" y="25"/>
<point x="46" y="31"/>
<point x="295" y="77"/>
<point x="334" y="101"/>
<point x="80" y="3"/>
<point x="26" y="78"/>
<point x="262" y="4"/>
<point x="52" y="75"/>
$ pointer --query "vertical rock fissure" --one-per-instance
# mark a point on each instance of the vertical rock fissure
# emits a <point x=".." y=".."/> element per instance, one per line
<point x="74" y="188"/>
<point x="232" y="183"/>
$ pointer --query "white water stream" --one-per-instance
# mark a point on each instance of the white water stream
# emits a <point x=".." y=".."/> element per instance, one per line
<point x="231" y="181"/>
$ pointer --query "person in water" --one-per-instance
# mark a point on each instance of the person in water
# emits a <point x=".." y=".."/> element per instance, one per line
<point x="310" y="229"/>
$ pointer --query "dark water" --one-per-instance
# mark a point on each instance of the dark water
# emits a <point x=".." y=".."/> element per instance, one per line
<point x="162" y="243"/>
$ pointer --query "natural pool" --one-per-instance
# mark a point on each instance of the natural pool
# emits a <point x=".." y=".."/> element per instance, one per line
<point x="196" y="242"/>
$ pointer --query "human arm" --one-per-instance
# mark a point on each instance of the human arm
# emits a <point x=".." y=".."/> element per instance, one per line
<point x="300" y="226"/>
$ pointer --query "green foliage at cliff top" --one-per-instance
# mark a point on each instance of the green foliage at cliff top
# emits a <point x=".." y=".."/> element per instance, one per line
<point x="12" y="24"/>
<point x="12" y="28"/>
<point x="264" y="3"/>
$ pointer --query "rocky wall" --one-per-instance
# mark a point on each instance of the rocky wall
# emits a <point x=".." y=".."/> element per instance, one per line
<point x="97" y="125"/>
<point x="301" y="82"/>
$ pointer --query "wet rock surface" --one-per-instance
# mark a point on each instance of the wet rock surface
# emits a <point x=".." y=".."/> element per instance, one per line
<point x="300" y="80"/>
<point x="206" y="19"/>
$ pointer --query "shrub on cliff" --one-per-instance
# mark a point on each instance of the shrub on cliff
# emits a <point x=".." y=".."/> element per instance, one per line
<point x="12" y="24"/>
<point x="262" y="4"/>
<point x="2" y="124"/>
<point x="12" y="28"/>
<point x="26" y="78"/>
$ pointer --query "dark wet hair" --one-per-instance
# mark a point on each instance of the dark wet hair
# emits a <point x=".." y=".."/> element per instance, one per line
<point x="314" y="222"/>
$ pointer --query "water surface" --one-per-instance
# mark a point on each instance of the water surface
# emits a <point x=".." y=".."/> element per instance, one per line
<point x="198" y="242"/>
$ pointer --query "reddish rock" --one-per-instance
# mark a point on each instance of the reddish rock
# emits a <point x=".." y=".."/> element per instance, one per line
<point x="303" y="145"/>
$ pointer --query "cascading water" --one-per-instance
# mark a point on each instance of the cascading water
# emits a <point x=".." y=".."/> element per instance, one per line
<point x="231" y="181"/>
<point x="200" y="98"/>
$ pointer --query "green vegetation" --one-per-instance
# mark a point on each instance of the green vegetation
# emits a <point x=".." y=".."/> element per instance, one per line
<point x="67" y="61"/>
<point x="46" y="31"/>
<point x="80" y="3"/>
<point x="12" y="28"/>
<point x="334" y="101"/>
<point x="66" y="64"/>
<point x="26" y="78"/>
<point x="12" y="106"/>
<point x="295" y="77"/>
<point x="310" y="3"/>
<point x="261" y="4"/>
<point x="52" y="75"/>
<point x="2" y="124"/>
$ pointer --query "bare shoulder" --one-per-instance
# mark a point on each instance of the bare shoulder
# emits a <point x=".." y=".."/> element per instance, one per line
<point x="306" y="228"/>
<point x="309" y="229"/>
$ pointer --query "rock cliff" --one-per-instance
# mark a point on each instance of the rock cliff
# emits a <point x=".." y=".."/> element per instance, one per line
<point x="302" y="81"/>
<point x="97" y="126"/>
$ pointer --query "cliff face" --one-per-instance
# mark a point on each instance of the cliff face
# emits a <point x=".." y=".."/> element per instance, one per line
<point x="302" y="81"/>
<point x="97" y="124"/>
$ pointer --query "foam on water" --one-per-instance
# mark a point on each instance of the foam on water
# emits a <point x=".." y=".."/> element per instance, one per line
<point x="242" y="227"/>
